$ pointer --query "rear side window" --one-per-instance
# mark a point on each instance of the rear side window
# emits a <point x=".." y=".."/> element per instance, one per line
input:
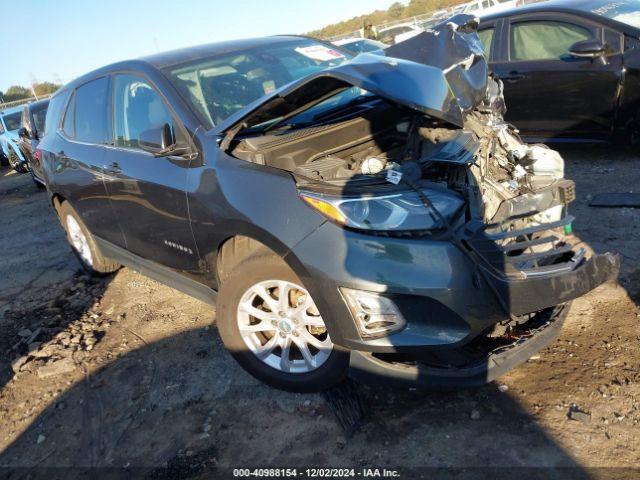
<point x="68" y="127"/>
<point x="91" y="116"/>
<point x="54" y="112"/>
<point x="545" y="40"/>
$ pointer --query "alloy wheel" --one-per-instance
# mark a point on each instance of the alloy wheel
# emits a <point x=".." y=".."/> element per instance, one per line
<point x="280" y="323"/>
<point x="79" y="240"/>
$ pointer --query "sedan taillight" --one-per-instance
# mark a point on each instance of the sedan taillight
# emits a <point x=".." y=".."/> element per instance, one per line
<point x="38" y="155"/>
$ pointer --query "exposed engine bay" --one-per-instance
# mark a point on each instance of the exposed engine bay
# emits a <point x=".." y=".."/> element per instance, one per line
<point x="501" y="200"/>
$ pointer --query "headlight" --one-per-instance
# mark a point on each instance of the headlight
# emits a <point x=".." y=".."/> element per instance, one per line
<point x="402" y="211"/>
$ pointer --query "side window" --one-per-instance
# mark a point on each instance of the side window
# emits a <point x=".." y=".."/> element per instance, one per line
<point x="486" y="37"/>
<point x="544" y="40"/>
<point x="136" y="107"/>
<point x="68" y="126"/>
<point x="612" y="41"/>
<point x="54" y="112"/>
<point x="631" y="43"/>
<point x="91" y="118"/>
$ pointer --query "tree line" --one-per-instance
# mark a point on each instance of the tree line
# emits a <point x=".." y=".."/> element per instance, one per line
<point x="397" y="11"/>
<point x="18" y="92"/>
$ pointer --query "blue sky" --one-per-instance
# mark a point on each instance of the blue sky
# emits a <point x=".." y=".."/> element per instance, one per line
<point x="61" y="39"/>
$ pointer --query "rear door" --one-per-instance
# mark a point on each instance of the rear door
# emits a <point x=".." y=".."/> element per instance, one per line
<point x="549" y="92"/>
<point x="78" y="160"/>
<point x="148" y="193"/>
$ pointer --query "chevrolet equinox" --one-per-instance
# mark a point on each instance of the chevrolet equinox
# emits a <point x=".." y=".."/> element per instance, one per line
<point x="370" y="216"/>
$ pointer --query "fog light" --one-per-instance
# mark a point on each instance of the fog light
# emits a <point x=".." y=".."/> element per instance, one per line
<point x="375" y="315"/>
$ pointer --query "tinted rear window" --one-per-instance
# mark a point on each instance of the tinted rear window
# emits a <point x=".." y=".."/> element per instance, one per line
<point x="56" y="105"/>
<point x="91" y="117"/>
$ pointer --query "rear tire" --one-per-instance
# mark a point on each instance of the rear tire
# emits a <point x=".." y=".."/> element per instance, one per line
<point x="83" y="244"/>
<point x="249" y="299"/>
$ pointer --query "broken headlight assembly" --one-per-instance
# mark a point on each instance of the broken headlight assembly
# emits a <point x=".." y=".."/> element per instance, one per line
<point x="375" y="315"/>
<point x="399" y="211"/>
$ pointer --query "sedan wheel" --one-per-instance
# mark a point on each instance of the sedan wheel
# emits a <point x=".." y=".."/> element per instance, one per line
<point x="274" y="328"/>
<point x="280" y="324"/>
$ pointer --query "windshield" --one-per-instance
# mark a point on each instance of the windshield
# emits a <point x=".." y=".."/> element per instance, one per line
<point x="12" y="120"/>
<point x="220" y="86"/>
<point x="623" y="11"/>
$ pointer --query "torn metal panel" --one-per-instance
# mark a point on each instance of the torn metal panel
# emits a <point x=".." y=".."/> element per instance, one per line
<point x="455" y="48"/>
<point x="417" y="86"/>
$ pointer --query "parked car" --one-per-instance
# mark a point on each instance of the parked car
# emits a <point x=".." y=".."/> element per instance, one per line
<point x="9" y="140"/>
<point x="33" y="119"/>
<point x="487" y="7"/>
<point x="398" y="33"/>
<point x="361" y="45"/>
<point x="365" y="215"/>
<point x="571" y="68"/>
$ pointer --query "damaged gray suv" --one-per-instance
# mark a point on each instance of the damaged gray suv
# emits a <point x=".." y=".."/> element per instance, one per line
<point x="368" y="216"/>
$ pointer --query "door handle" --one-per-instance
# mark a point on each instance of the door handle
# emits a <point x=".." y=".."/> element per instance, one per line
<point x="113" y="167"/>
<point x="513" y="77"/>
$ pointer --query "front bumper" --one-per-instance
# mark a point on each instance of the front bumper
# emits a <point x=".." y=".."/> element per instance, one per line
<point x="539" y="292"/>
<point x="371" y="369"/>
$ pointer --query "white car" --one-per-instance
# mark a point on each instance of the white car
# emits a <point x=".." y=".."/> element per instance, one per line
<point x="398" y="33"/>
<point x="485" y="7"/>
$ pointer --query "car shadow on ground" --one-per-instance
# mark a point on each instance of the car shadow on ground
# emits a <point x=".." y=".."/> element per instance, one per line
<point x="188" y="409"/>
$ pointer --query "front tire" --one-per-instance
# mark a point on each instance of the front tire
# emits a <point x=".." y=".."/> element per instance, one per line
<point x="272" y="327"/>
<point x="15" y="163"/>
<point x="82" y="243"/>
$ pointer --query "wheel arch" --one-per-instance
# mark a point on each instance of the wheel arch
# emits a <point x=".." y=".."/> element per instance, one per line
<point x="235" y="248"/>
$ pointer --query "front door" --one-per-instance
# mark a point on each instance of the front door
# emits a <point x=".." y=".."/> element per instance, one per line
<point x="148" y="193"/>
<point x="549" y="92"/>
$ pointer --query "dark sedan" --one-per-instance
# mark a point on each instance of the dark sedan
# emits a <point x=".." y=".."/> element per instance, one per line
<point x="33" y="118"/>
<point x="571" y="68"/>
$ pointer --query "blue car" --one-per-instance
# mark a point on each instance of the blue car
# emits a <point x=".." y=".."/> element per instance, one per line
<point x="10" y="122"/>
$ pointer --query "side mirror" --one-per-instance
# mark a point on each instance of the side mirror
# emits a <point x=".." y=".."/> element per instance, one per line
<point x="156" y="140"/>
<point x="23" y="132"/>
<point x="587" y="49"/>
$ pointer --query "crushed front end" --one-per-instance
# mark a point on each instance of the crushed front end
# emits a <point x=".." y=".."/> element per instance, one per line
<point x="448" y="256"/>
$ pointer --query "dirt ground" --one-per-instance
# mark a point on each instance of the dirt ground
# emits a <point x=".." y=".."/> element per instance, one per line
<point x="124" y="372"/>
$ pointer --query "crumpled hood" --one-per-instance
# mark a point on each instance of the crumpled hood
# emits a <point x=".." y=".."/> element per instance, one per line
<point x="414" y="85"/>
<point x="454" y="47"/>
<point x="441" y="73"/>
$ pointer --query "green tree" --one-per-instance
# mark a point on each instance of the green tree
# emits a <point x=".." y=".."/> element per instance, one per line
<point x="396" y="11"/>
<point x="16" y="92"/>
<point x="45" y="88"/>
